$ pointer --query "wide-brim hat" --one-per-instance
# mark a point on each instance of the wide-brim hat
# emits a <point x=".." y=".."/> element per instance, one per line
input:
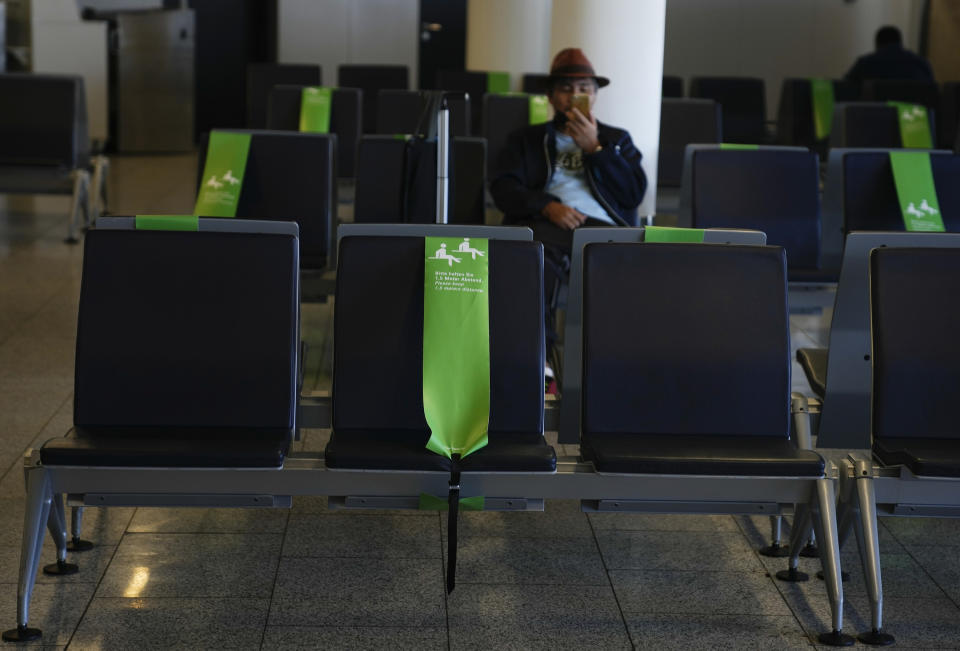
<point x="572" y="63"/>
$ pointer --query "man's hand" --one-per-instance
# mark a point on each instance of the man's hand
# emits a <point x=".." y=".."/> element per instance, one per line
<point x="583" y="130"/>
<point x="563" y="215"/>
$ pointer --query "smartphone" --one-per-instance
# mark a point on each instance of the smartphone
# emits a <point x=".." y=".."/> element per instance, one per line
<point x="581" y="102"/>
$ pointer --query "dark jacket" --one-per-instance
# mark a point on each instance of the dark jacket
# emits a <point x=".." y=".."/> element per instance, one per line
<point x="526" y="166"/>
<point x="890" y="62"/>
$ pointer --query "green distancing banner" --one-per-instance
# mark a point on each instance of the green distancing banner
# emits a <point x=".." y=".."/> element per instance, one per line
<point x="821" y="97"/>
<point x="315" y="103"/>
<point x="431" y="503"/>
<point x="914" y="125"/>
<point x="223" y="172"/>
<point x="539" y="112"/>
<point x="167" y="223"/>
<point x="456" y="344"/>
<point x="738" y="146"/>
<point x="498" y="82"/>
<point x="913" y="177"/>
<point x="671" y="234"/>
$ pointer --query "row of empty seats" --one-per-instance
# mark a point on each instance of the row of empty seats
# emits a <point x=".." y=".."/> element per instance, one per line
<point x="743" y="100"/>
<point x="657" y="435"/>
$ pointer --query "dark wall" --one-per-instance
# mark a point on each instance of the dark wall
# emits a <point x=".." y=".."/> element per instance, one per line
<point x="229" y="35"/>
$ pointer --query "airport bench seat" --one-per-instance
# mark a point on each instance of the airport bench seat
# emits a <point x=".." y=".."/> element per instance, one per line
<point x="700" y="455"/>
<point x="378" y="328"/>
<point x="169" y="447"/>
<point x="926" y="457"/>
<point x="771" y="189"/>
<point x="174" y="374"/>
<point x="44" y="144"/>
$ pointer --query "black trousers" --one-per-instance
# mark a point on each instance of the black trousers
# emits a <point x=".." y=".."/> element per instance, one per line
<point x="557" y="246"/>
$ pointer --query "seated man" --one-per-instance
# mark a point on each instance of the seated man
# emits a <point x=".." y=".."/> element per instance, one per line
<point x="571" y="172"/>
<point x="890" y="60"/>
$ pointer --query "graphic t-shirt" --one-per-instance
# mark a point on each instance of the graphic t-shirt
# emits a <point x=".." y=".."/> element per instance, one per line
<point x="569" y="181"/>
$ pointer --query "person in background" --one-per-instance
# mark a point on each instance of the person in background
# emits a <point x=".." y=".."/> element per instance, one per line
<point x="568" y="173"/>
<point x="890" y="60"/>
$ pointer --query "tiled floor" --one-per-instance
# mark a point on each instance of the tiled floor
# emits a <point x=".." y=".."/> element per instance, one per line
<point x="312" y="578"/>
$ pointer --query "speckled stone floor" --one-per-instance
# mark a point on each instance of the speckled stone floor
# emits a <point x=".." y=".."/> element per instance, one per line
<point x="312" y="578"/>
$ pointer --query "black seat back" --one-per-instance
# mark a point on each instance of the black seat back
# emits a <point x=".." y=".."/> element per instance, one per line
<point x="684" y="121"/>
<point x="397" y="181"/>
<point x="743" y="102"/>
<point x="262" y="77"/>
<point x="948" y="115"/>
<point x="503" y="114"/>
<point x="370" y="79"/>
<point x="771" y="190"/>
<point x="795" y="125"/>
<point x="915" y="357"/>
<point x="672" y="86"/>
<point x="914" y="91"/>
<point x="283" y="114"/>
<point x="867" y="124"/>
<point x="400" y="111"/>
<point x="197" y="329"/>
<point x="378" y="335"/>
<point x="43" y="120"/>
<point x="870" y="200"/>
<point x="471" y="82"/>
<point x="534" y="83"/>
<point x="705" y="349"/>
<point x="379" y="194"/>
<point x="292" y="177"/>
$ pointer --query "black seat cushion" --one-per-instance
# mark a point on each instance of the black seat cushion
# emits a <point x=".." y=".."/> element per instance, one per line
<point x="700" y="455"/>
<point x="813" y="361"/>
<point x="378" y="418"/>
<point x="924" y="457"/>
<point x="774" y="191"/>
<point x="164" y="447"/>
<point x="405" y="450"/>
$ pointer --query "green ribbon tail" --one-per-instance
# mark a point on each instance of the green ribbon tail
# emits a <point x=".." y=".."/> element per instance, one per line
<point x="167" y="223"/>
<point x="498" y="82"/>
<point x="737" y="146"/>
<point x="539" y="112"/>
<point x="315" y="106"/>
<point x="821" y="96"/>
<point x="456" y="344"/>
<point x="914" y="125"/>
<point x="223" y="172"/>
<point x="671" y="234"/>
<point x="432" y="503"/>
<point x="916" y="191"/>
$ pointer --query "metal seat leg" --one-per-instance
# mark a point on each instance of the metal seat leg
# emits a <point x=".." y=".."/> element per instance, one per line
<point x="825" y="525"/>
<point x="81" y="188"/>
<point x="798" y="537"/>
<point x="35" y="518"/>
<point x="868" y="542"/>
<point x="57" y="524"/>
<point x="76" y="544"/>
